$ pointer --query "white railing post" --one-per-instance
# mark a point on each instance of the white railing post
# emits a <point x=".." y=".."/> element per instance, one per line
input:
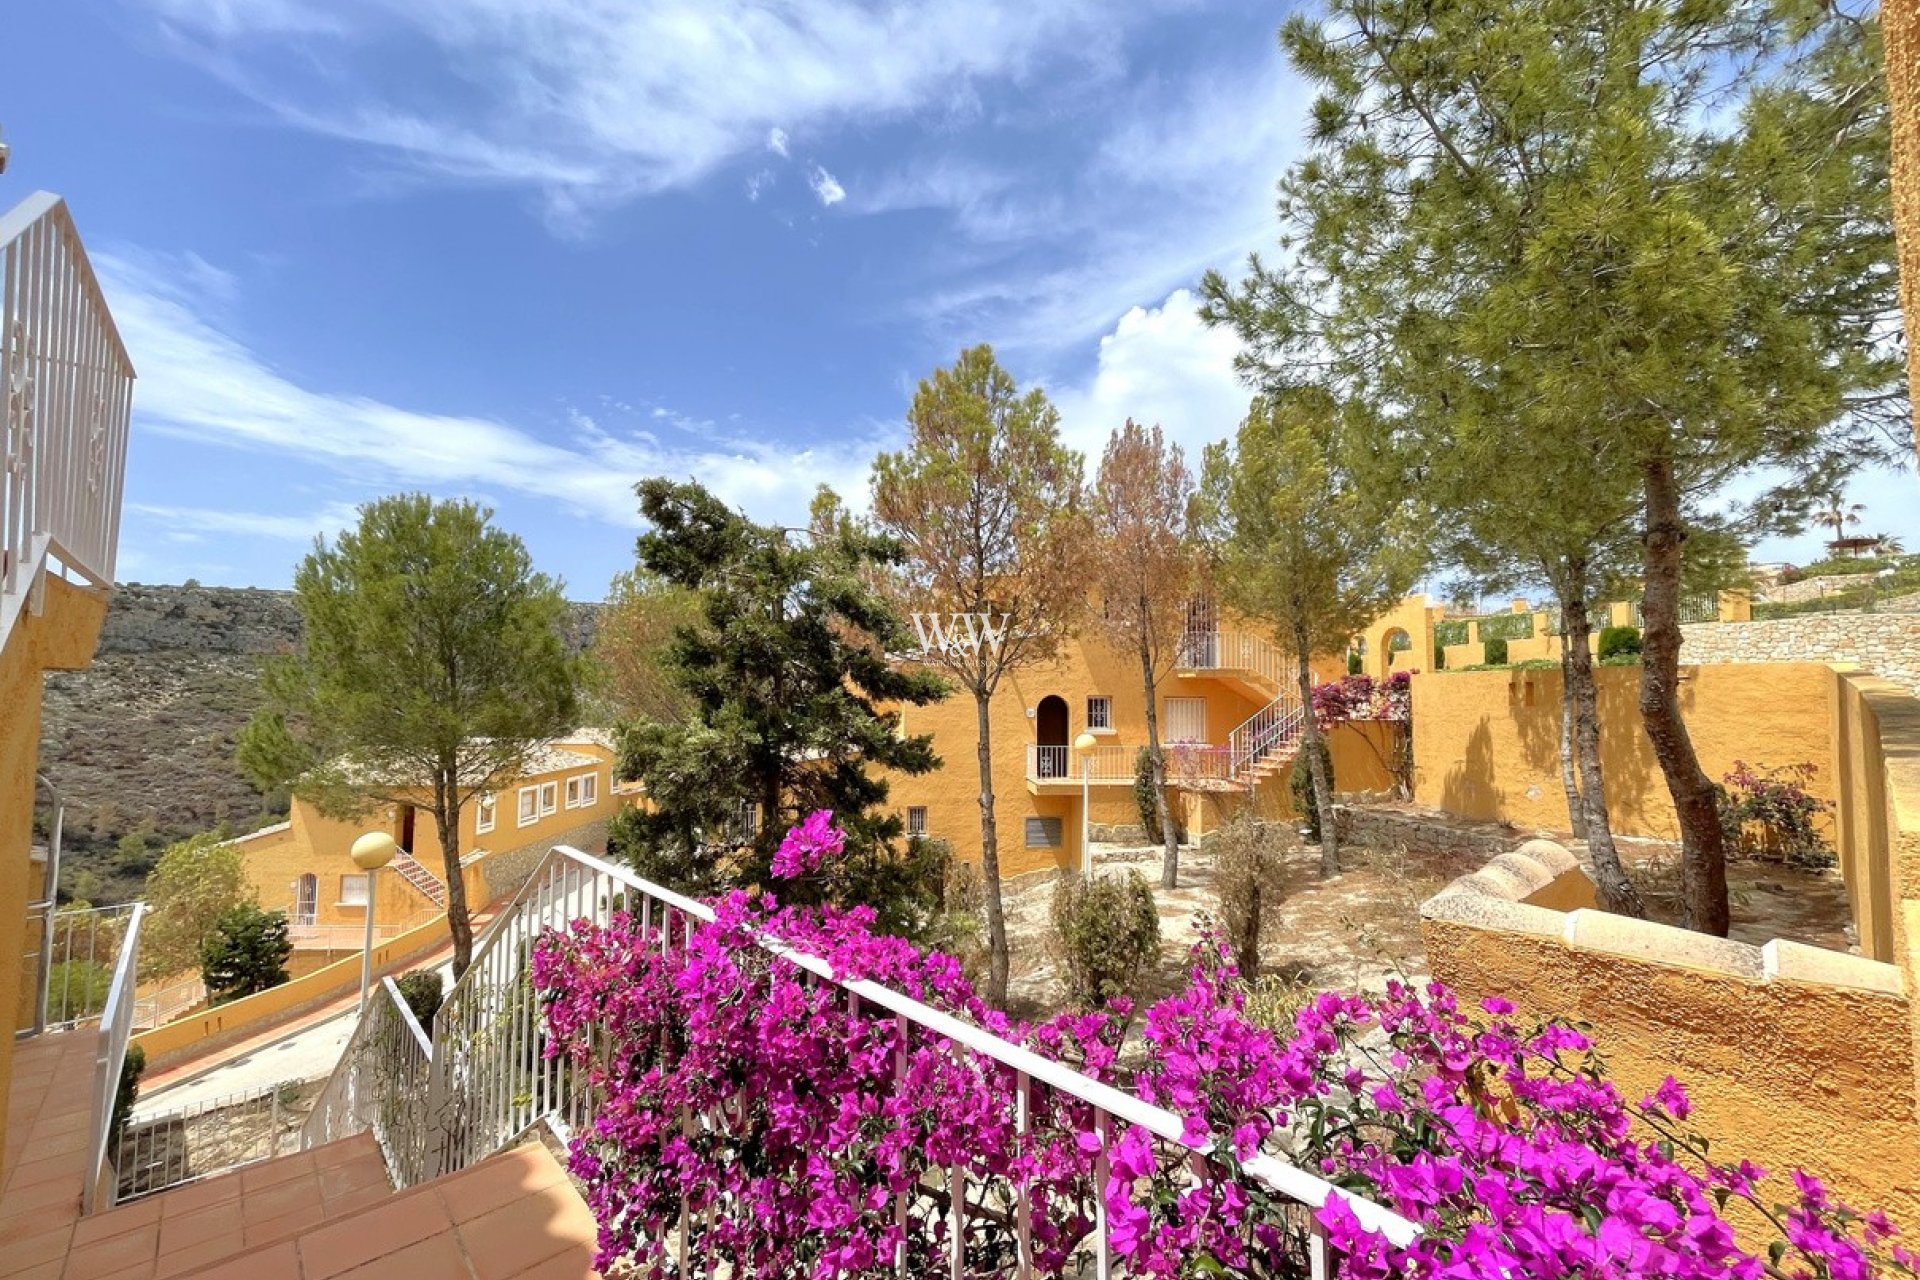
<point x="116" y="1027"/>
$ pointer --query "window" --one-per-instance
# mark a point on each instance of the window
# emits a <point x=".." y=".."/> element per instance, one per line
<point x="1100" y="712"/>
<point x="1186" y="720"/>
<point x="484" y="812"/>
<point x="916" y="822"/>
<point x="306" y="899"/>
<point x="1043" y="833"/>
<point x="746" y="824"/>
<point x="549" y="797"/>
<point x="353" y="891"/>
<point x="573" y="793"/>
<point x="582" y="790"/>
<point x="529" y="805"/>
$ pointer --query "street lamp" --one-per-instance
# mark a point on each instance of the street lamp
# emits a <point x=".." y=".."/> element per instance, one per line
<point x="370" y="852"/>
<point x="1083" y="746"/>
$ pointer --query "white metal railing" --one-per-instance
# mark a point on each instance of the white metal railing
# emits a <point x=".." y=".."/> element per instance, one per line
<point x="382" y="1085"/>
<point x="164" y="1004"/>
<point x="165" y="1148"/>
<point x="116" y="1027"/>
<point x="1104" y="765"/>
<point x="490" y="1080"/>
<point x="67" y="388"/>
<point x="1235" y="651"/>
<point x="80" y="949"/>
<point x="1270" y="732"/>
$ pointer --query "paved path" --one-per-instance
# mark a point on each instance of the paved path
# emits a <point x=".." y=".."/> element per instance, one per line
<point x="304" y="1049"/>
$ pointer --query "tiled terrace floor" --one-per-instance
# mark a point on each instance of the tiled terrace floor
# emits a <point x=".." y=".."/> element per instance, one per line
<point x="311" y="1216"/>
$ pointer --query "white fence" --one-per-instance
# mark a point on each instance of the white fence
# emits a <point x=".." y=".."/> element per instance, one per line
<point x="490" y="1082"/>
<point x="159" y="1149"/>
<point x="1105" y="765"/>
<point x="1235" y="651"/>
<point x="67" y="386"/>
<point x="116" y="1028"/>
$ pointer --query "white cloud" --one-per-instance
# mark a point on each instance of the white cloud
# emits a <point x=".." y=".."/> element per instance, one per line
<point x="593" y="103"/>
<point x="186" y="523"/>
<point x="1159" y="365"/>
<point x="200" y="382"/>
<point x="758" y="184"/>
<point x="826" y="187"/>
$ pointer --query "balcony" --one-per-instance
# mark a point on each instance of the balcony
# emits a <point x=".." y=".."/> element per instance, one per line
<point x="1253" y="665"/>
<point x="1055" y="768"/>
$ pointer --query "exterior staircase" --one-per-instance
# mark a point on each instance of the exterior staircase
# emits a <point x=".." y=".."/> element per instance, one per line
<point x="1264" y="745"/>
<point x="415" y="873"/>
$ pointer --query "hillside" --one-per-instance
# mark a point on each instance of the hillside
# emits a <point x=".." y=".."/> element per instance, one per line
<point x="141" y="743"/>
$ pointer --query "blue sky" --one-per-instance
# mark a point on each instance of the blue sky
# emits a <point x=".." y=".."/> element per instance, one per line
<point x="531" y="251"/>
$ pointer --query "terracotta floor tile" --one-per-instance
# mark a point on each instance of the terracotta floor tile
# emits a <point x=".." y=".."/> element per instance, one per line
<point x="435" y="1258"/>
<point x="279" y="1262"/>
<point x="271" y="1173"/>
<point x="286" y="1226"/>
<point x="144" y="1271"/>
<point x="359" y="1147"/>
<point x="61" y="1194"/>
<point x="34" y="1251"/>
<point x="185" y="1230"/>
<point x="115" y="1221"/>
<point x="281" y="1199"/>
<point x="498" y="1182"/>
<point x="196" y="1257"/>
<point x="370" y="1234"/>
<point x="530" y="1230"/>
<point x="575" y="1263"/>
<point x="199" y="1195"/>
<point x="44" y="1271"/>
<point x="346" y="1178"/>
<point x="353" y="1201"/>
<point x="103" y="1258"/>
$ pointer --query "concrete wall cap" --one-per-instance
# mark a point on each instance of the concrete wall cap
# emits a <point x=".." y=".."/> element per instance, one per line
<point x="1595" y="930"/>
<point x="1530" y="873"/>
<point x="1484" y="911"/>
<point x="1551" y="854"/>
<point x="1785" y="961"/>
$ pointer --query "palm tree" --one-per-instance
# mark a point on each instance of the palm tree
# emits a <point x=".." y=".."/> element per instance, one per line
<point x="1837" y="513"/>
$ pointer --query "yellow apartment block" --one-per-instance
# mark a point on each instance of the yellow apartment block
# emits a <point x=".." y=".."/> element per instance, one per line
<point x="1228" y="719"/>
<point x="301" y="866"/>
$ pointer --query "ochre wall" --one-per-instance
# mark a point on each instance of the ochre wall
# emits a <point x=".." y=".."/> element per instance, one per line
<point x="61" y="638"/>
<point x="1085" y="666"/>
<point x="1486" y="744"/>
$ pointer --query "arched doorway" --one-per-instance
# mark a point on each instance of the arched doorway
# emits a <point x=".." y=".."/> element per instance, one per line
<point x="1050" y="733"/>
<point x="1393" y="646"/>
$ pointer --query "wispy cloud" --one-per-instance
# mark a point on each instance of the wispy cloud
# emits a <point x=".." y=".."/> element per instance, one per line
<point x="594" y="103"/>
<point x="202" y="383"/>
<point x="826" y="187"/>
<point x="198" y="521"/>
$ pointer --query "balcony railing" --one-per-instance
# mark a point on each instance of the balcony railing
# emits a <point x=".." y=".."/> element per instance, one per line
<point x="116" y="1028"/>
<point x="488" y="1080"/>
<point x="67" y="388"/>
<point x="1235" y="651"/>
<point x="1105" y="765"/>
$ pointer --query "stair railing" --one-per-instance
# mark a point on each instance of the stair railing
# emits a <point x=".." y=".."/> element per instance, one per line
<point x="489" y="1080"/>
<point x="1267" y="732"/>
<point x="116" y="1029"/>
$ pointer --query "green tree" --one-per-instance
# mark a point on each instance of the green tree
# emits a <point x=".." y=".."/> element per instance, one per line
<point x="433" y="667"/>
<point x="1308" y="535"/>
<point x="1658" y="234"/>
<point x="793" y="708"/>
<point x="1146" y="569"/>
<point x="193" y="885"/>
<point x="632" y="638"/>
<point x="246" y="953"/>
<point x="991" y="508"/>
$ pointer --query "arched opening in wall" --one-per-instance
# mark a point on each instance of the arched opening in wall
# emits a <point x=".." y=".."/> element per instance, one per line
<point x="1051" y="737"/>
<point x="1395" y="645"/>
<point x="306" y="899"/>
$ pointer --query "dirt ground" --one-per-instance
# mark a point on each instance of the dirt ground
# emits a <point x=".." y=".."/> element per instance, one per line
<point x="1361" y="927"/>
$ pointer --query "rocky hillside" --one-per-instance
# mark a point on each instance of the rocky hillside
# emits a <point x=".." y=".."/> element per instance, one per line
<point x="141" y="743"/>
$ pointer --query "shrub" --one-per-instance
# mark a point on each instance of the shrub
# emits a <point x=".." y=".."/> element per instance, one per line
<point x="423" y="990"/>
<point x="1769" y="814"/>
<point x="246" y="954"/>
<point x="1506" y="626"/>
<point x="1496" y="648"/>
<point x="1107" y="930"/>
<point x="77" y="988"/>
<point x="1246" y="876"/>
<point x="1452" y="631"/>
<point x="960" y="927"/>
<point x="125" y="1094"/>
<point x="1616" y="642"/>
<point x="1353" y="662"/>
<point x="1439" y="656"/>
<point x="1144" y="798"/>
<point x="1300" y="785"/>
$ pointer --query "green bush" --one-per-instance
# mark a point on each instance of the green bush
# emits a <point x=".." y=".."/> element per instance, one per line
<point x="1619" y="642"/>
<point x="1144" y="798"/>
<point x="125" y="1094"/>
<point x="1506" y="626"/>
<point x="960" y="927"/>
<point x="1300" y="784"/>
<point x="77" y="989"/>
<point x="1246" y="876"/>
<point x="1496" y="651"/>
<point x="1439" y="658"/>
<point x="1107" y="931"/>
<point x="1353" y="662"/>
<point x="246" y="954"/>
<point x="1453" y="631"/>
<point x="423" y="990"/>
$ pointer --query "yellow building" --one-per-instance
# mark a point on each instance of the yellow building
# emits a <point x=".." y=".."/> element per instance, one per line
<point x="301" y="866"/>
<point x="1228" y="719"/>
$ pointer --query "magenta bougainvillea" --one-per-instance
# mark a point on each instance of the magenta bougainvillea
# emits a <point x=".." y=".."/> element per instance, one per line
<point x="1361" y="697"/>
<point x="791" y="1132"/>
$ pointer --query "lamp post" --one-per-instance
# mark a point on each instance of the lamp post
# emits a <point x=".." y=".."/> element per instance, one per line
<point x="370" y="852"/>
<point x="1083" y="746"/>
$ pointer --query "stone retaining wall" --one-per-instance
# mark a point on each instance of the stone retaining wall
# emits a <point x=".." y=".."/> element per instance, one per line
<point x="506" y="872"/>
<point x="1888" y="644"/>
<point x="1422" y="833"/>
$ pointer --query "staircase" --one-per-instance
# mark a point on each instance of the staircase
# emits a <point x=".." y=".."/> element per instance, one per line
<point x="415" y="873"/>
<point x="1264" y="745"/>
